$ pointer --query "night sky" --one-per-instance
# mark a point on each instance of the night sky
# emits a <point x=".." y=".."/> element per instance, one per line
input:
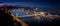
<point x="34" y="3"/>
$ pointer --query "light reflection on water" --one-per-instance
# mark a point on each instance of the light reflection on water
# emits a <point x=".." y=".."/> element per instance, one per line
<point x="31" y="19"/>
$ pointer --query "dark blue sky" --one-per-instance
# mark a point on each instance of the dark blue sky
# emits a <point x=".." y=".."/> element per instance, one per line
<point x="35" y="3"/>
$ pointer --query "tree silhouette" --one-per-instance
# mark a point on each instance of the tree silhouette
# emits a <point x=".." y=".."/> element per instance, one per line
<point x="5" y="19"/>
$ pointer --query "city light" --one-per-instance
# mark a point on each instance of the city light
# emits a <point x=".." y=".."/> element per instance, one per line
<point x="34" y="13"/>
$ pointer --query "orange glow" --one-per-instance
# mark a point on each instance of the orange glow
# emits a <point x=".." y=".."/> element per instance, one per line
<point x="42" y="13"/>
<point x="22" y="23"/>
